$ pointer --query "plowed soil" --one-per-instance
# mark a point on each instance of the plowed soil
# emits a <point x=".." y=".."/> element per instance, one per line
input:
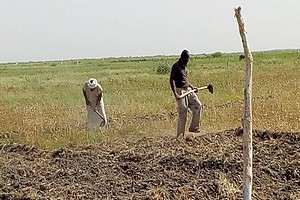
<point x="209" y="166"/>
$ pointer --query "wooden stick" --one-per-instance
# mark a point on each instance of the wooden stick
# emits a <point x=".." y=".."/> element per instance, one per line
<point x="104" y="122"/>
<point x="190" y="91"/>
<point x="247" y="121"/>
<point x="98" y="113"/>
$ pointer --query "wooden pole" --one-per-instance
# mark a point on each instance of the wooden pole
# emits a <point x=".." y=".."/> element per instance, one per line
<point x="247" y="120"/>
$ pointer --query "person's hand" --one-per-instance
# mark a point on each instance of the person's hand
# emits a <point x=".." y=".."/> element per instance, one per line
<point x="177" y="96"/>
<point x="196" y="89"/>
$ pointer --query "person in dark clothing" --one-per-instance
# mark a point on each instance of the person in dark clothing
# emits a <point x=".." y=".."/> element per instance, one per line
<point x="179" y="85"/>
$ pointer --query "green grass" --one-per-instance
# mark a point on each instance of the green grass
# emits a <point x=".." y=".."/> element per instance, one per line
<point x="42" y="102"/>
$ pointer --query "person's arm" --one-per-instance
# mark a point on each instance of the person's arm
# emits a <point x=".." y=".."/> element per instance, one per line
<point x="87" y="102"/>
<point x="194" y="88"/>
<point x="99" y="97"/>
<point x="172" y="84"/>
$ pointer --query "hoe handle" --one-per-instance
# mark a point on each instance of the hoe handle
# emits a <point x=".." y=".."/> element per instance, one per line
<point x="98" y="113"/>
<point x="209" y="87"/>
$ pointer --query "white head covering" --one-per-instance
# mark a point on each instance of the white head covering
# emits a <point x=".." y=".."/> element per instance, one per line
<point x="92" y="83"/>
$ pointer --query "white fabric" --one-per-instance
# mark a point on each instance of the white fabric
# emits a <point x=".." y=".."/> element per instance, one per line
<point x="93" y="119"/>
<point x="92" y="83"/>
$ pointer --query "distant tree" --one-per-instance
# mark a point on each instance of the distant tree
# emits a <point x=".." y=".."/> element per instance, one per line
<point x="216" y="55"/>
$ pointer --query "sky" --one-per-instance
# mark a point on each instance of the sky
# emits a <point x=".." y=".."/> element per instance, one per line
<point x="45" y="30"/>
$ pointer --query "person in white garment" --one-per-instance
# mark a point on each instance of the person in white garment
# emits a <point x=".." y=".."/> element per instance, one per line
<point x="93" y="94"/>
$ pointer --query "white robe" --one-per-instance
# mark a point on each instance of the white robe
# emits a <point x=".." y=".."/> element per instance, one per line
<point x="94" y="120"/>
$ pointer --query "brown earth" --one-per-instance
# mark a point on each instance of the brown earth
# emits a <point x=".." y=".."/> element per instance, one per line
<point x="209" y="166"/>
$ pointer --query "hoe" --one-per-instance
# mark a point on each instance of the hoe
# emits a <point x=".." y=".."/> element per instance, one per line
<point x="209" y="87"/>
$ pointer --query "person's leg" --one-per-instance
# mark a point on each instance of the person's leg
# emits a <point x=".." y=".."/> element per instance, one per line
<point x="92" y="118"/>
<point x="182" y="109"/>
<point x="196" y="108"/>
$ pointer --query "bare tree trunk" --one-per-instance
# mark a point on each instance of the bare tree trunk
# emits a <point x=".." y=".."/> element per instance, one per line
<point x="247" y="121"/>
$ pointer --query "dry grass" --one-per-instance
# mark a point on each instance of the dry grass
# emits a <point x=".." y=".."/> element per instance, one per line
<point x="41" y="103"/>
<point x="226" y="188"/>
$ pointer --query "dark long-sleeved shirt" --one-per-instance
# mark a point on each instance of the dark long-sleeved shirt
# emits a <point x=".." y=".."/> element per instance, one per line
<point x="179" y="75"/>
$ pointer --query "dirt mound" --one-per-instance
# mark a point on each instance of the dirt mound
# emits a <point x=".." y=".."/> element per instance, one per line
<point x="206" y="167"/>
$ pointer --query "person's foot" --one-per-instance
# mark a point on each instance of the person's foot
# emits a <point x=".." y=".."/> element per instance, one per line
<point x="194" y="130"/>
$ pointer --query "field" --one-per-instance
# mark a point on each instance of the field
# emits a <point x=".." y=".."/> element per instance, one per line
<point x="47" y="152"/>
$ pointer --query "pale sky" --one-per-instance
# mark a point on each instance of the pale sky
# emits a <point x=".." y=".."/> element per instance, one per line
<point x="36" y="30"/>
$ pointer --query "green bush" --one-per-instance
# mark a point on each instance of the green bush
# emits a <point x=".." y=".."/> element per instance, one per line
<point x="53" y="64"/>
<point x="216" y="55"/>
<point x="163" y="69"/>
